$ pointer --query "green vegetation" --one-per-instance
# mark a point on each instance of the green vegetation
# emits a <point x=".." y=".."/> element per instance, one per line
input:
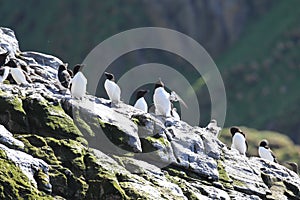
<point x="14" y="184"/>
<point x="261" y="72"/>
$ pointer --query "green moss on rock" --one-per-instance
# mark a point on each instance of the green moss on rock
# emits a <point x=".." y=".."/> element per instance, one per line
<point x="48" y="119"/>
<point x="37" y="147"/>
<point x="223" y="176"/>
<point x="12" y="114"/>
<point x="14" y="184"/>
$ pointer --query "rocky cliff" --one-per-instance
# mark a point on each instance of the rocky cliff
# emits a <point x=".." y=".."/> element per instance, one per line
<point x="56" y="147"/>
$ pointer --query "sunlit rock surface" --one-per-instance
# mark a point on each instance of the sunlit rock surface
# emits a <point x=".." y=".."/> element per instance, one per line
<point x="56" y="147"/>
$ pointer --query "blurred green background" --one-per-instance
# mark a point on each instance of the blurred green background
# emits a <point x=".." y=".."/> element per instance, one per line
<point x="255" y="44"/>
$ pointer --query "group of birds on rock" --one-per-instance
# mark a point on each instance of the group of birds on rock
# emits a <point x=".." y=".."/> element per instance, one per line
<point x="73" y="80"/>
<point x="240" y="144"/>
<point x="163" y="101"/>
<point x="76" y="82"/>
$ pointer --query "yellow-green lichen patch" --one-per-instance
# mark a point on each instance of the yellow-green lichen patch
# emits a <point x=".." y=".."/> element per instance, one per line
<point x="82" y="125"/>
<point x="14" y="184"/>
<point x="37" y="147"/>
<point x="12" y="113"/>
<point x="150" y="144"/>
<point x="223" y="176"/>
<point x="103" y="183"/>
<point x="70" y="153"/>
<point x="48" y="119"/>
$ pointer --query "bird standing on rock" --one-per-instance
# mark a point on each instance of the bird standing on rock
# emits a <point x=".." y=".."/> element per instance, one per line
<point x="78" y="82"/>
<point x="112" y="89"/>
<point x="162" y="100"/>
<point x="140" y="100"/>
<point x="265" y="152"/>
<point x="213" y="127"/>
<point x="238" y="140"/>
<point x="64" y="76"/>
<point x="17" y="73"/>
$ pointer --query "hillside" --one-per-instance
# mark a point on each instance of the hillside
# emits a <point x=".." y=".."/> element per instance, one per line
<point x="53" y="146"/>
<point x="255" y="44"/>
<point x="261" y="72"/>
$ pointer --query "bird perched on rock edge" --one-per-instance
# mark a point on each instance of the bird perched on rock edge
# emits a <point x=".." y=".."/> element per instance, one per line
<point x="265" y="152"/>
<point x="238" y="140"/>
<point x="112" y="89"/>
<point x="140" y="100"/>
<point x="78" y="82"/>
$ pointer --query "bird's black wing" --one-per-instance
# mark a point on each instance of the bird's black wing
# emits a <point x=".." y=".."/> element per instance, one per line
<point x="3" y="58"/>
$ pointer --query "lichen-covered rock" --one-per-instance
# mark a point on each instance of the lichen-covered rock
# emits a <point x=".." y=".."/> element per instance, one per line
<point x="55" y="147"/>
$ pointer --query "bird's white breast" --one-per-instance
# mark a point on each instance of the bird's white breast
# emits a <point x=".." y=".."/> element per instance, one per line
<point x="161" y="102"/>
<point x="113" y="90"/>
<point x="78" y="88"/>
<point x="239" y="143"/>
<point x="18" y="76"/>
<point x="265" y="153"/>
<point x="141" y="104"/>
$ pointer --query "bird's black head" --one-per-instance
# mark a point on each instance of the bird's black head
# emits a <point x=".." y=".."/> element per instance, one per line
<point x="141" y="93"/>
<point x="264" y="143"/>
<point x="77" y="68"/>
<point x="12" y="63"/>
<point x="234" y="130"/>
<point x="62" y="67"/>
<point x="158" y="84"/>
<point x="109" y="76"/>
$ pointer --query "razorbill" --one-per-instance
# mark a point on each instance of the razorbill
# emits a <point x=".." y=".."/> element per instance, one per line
<point x="4" y="72"/>
<point x="3" y="57"/>
<point x="78" y="82"/>
<point x="140" y="100"/>
<point x="64" y="77"/>
<point x="174" y="114"/>
<point x="162" y="100"/>
<point x="213" y="127"/>
<point x="17" y="73"/>
<point x="265" y="152"/>
<point x="238" y="140"/>
<point x="112" y="89"/>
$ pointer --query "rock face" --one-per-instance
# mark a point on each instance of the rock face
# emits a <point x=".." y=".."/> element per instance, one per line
<point x="56" y="147"/>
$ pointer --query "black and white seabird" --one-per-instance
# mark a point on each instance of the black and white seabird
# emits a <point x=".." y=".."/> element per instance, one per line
<point x="78" y="82"/>
<point x="140" y="100"/>
<point x="3" y="57"/>
<point x="64" y="77"/>
<point x="238" y="140"/>
<point x="213" y="127"/>
<point x="17" y="73"/>
<point x="265" y="152"/>
<point x="112" y="89"/>
<point x="162" y="100"/>
<point x="4" y="72"/>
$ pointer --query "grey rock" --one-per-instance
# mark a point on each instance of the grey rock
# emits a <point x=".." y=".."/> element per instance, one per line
<point x="118" y="152"/>
<point x="28" y="164"/>
<point x="8" y="41"/>
<point x="7" y="139"/>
